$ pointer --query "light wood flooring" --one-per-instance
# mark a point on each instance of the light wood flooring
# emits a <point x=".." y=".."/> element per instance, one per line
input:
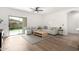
<point x="50" y="43"/>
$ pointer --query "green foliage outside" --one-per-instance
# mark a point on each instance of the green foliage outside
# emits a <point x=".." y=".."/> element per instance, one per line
<point x="15" y="25"/>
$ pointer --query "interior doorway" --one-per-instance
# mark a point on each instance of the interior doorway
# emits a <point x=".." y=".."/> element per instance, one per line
<point x="73" y="22"/>
<point x="17" y="25"/>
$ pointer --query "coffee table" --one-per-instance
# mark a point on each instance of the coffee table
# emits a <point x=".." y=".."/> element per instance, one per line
<point x="40" y="33"/>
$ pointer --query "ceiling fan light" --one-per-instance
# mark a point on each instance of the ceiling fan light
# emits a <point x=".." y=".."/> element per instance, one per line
<point x="35" y="12"/>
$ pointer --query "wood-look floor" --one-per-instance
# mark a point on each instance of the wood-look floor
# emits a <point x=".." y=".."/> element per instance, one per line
<point x="50" y="43"/>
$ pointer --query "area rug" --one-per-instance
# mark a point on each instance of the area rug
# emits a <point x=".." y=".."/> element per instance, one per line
<point x="32" y="38"/>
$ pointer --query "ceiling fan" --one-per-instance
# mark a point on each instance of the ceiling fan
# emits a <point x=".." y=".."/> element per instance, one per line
<point x="36" y="9"/>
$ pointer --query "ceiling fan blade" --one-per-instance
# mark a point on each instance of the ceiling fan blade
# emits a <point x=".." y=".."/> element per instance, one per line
<point x="40" y="10"/>
<point x="32" y="8"/>
<point x="36" y="10"/>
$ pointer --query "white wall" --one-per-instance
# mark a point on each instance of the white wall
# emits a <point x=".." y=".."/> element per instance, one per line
<point x="32" y="19"/>
<point x="56" y="20"/>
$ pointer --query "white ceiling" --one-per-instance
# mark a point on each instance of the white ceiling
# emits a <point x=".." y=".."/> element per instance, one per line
<point x="46" y="9"/>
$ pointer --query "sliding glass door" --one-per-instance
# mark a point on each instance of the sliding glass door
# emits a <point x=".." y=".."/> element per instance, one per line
<point x="16" y="25"/>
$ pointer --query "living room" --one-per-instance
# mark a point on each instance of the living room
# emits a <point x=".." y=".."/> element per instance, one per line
<point x="53" y="22"/>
